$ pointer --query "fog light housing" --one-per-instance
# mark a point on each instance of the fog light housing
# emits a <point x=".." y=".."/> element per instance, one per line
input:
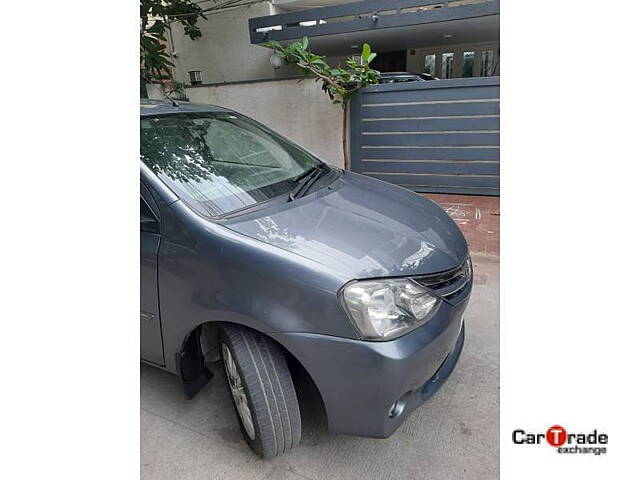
<point x="396" y="408"/>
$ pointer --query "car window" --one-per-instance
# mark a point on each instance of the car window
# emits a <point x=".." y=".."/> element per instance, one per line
<point x="219" y="163"/>
<point x="145" y="211"/>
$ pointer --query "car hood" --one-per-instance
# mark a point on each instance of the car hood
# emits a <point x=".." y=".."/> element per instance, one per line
<point x="363" y="228"/>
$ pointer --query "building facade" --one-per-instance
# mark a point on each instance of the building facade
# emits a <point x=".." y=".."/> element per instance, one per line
<point x="434" y="136"/>
<point x="448" y="39"/>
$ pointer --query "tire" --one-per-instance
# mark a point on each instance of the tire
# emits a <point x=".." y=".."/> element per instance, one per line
<point x="270" y="401"/>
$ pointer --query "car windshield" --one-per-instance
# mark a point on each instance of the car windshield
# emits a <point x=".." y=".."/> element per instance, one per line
<point x="220" y="162"/>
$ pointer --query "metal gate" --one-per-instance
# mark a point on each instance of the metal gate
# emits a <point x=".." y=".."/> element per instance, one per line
<point x="438" y="136"/>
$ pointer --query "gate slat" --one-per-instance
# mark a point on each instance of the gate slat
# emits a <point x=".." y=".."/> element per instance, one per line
<point x="431" y="153"/>
<point x="432" y="124"/>
<point x="488" y="181"/>
<point x="439" y="94"/>
<point x="490" y="107"/>
<point x="466" y="190"/>
<point x="436" y="139"/>
<point x="440" y="167"/>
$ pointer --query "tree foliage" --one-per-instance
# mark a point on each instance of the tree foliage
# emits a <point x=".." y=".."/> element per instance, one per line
<point x="155" y="16"/>
<point x="339" y="83"/>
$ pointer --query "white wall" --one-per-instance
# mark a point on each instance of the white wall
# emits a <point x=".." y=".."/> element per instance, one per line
<point x="283" y="6"/>
<point x="224" y="53"/>
<point x="154" y="91"/>
<point x="298" y="109"/>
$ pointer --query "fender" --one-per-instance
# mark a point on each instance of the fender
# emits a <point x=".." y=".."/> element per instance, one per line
<point x="205" y="272"/>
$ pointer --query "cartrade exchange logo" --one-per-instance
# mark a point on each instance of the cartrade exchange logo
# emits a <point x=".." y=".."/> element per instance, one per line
<point x="557" y="437"/>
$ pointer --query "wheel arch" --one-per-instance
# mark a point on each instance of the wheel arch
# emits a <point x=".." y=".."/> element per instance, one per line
<point x="200" y="346"/>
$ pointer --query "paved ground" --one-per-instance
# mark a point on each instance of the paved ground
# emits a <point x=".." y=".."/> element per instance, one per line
<point x="453" y="436"/>
<point x="478" y="218"/>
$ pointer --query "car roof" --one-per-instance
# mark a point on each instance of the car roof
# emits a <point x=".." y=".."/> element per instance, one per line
<point x="395" y="74"/>
<point x="165" y="107"/>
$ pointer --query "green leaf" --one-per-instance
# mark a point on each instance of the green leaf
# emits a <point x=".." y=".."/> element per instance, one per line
<point x="340" y="84"/>
<point x="366" y="51"/>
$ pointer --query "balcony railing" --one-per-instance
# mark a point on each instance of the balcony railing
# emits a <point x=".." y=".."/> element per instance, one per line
<point x="365" y="15"/>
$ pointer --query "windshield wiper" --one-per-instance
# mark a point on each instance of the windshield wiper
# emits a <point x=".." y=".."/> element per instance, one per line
<point x="306" y="180"/>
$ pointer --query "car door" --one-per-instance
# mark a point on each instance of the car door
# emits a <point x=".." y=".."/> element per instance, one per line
<point x="150" y="235"/>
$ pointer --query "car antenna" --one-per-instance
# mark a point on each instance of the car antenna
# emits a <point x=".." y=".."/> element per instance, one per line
<point x="175" y="104"/>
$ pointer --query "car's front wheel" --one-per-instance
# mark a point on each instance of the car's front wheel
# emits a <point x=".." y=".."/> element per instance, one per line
<point x="262" y="391"/>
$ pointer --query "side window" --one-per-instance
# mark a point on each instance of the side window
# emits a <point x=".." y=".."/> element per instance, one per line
<point x="486" y="67"/>
<point x="195" y="77"/>
<point x="430" y="64"/>
<point x="467" y="64"/>
<point x="447" y="65"/>
<point x="148" y="220"/>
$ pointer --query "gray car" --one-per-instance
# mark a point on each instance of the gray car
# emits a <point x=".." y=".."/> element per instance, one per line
<point x="403" y="77"/>
<point x="256" y="253"/>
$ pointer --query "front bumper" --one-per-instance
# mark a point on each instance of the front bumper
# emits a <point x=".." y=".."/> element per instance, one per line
<point x="359" y="381"/>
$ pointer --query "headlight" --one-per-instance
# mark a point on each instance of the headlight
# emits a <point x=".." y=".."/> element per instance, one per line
<point x="386" y="309"/>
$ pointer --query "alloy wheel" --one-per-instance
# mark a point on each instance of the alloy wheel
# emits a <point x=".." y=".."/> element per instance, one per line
<point x="237" y="392"/>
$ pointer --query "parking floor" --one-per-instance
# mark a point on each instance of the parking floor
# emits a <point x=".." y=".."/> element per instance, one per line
<point x="453" y="436"/>
<point x="477" y="217"/>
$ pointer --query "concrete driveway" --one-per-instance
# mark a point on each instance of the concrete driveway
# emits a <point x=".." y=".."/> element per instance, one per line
<point x="453" y="436"/>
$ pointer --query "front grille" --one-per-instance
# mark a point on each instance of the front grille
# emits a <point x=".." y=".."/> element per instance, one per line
<point x="452" y="285"/>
